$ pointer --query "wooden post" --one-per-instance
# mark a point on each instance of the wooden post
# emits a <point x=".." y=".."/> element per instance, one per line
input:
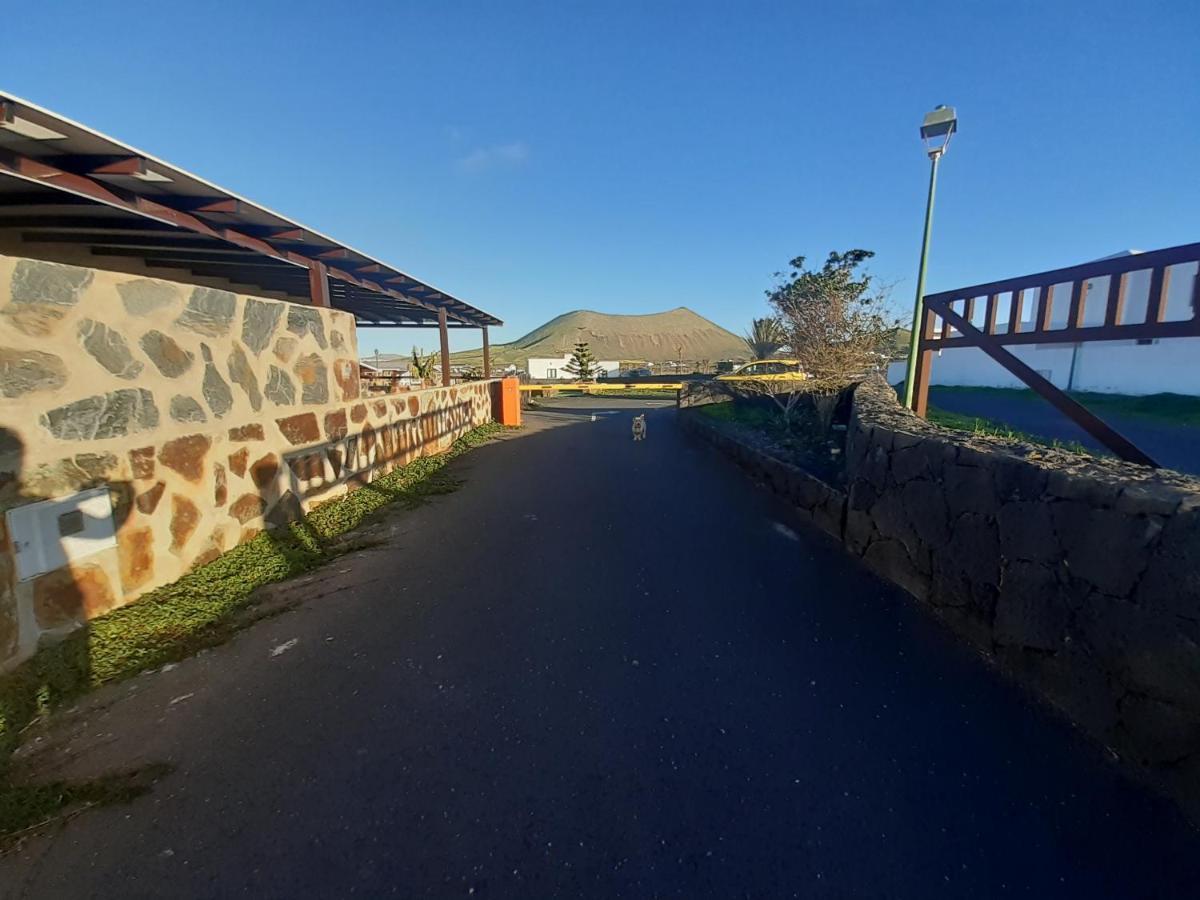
<point x="318" y="284"/>
<point x="444" y="334"/>
<point x="924" y="365"/>
<point x="487" y="354"/>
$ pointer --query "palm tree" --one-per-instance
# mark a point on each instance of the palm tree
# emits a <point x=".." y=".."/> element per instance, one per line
<point x="764" y="339"/>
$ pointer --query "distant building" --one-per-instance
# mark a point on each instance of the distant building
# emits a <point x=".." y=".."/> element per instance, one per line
<point x="554" y="368"/>
<point x="1113" y="367"/>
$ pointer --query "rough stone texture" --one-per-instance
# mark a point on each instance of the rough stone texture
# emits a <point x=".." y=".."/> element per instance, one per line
<point x="241" y="373"/>
<point x="145" y="296"/>
<point x="185" y="516"/>
<point x="345" y="373"/>
<point x="304" y="320"/>
<point x="10" y="625"/>
<point x="258" y="324"/>
<point x="251" y="432"/>
<point x="217" y="394"/>
<point x="24" y="371"/>
<point x="41" y="295"/>
<point x="208" y="312"/>
<point x="414" y="406"/>
<point x="336" y="341"/>
<point x="141" y="462"/>
<point x="70" y="595"/>
<point x="280" y="390"/>
<point x="186" y="409"/>
<point x="301" y="429"/>
<point x="115" y="414"/>
<point x="314" y="379"/>
<point x="248" y="507"/>
<point x="220" y="486"/>
<point x="168" y="357"/>
<point x="358" y="413"/>
<point x="185" y="455"/>
<point x="264" y="470"/>
<point x="147" y="501"/>
<point x="335" y="425"/>
<point x="136" y="555"/>
<point x="238" y="462"/>
<point x="285" y="349"/>
<point x="108" y="348"/>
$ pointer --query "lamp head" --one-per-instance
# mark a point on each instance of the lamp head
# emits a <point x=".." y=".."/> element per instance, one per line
<point x="937" y="129"/>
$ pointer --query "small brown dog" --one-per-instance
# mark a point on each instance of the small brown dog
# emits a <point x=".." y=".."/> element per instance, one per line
<point x="639" y="427"/>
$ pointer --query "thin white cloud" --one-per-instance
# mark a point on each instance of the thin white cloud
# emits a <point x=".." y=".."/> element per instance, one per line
<point x="499" y="156"/>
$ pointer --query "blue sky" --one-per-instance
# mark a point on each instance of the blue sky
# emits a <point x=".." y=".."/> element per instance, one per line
<point x="535" y="158"/>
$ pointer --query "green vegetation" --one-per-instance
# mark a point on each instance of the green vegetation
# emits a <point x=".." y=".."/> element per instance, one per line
<point x="1178" y="409"/>
<point x="992" y="428"/>
<point x="582" y="365"/>
<point x="201" y="609"/>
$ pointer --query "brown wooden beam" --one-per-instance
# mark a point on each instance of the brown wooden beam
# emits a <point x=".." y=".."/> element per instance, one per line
<point x="444" y="335"/>
<point x="1144" y="331"/>
<point x="924" y="366"/>
<point x="318" y="284"/>
<point x="1114" y="311"/>
<point x="1060" y="400"/>
<point x="487" y="354"/>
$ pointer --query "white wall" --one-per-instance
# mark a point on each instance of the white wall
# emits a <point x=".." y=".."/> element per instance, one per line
<point x="1117" y="367"/>
<point x="540" y="368"/>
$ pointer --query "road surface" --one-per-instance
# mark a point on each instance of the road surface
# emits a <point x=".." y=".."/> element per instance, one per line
<point x="599" y="669"/>
<point x="1172" y="445"/>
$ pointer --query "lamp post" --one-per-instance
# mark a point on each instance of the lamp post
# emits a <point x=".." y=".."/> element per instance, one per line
<point x="941" y="123"/>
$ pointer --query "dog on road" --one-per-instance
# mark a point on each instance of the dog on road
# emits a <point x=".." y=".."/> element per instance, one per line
<point x="639" y="427"/>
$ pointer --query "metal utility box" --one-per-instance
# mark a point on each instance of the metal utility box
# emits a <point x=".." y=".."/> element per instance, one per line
<point x="51" y="533"/>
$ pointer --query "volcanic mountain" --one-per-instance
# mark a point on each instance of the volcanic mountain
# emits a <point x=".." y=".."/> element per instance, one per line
<point x="656" y="337"/>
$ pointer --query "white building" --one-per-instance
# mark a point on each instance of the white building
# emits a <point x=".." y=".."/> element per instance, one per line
<point x="555" y="368"/>
<point x="1116" y="367"/>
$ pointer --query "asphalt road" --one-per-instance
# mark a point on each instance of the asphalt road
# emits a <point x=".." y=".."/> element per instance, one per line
<point x="1171" y="445"/>
<point x="599" y="669"/>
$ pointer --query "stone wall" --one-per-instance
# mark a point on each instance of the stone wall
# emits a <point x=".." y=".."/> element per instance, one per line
<point x="1078" y="576"/>
<point x="209" y="415"/>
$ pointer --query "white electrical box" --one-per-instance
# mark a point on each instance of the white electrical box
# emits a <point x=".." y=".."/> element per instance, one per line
<point x="51" y="533"/>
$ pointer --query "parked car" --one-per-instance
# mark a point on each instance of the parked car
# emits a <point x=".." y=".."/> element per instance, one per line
<point x="767" y="370"/>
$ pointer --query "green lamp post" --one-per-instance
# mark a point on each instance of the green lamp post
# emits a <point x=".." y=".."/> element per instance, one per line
<point x="936" y="131"/>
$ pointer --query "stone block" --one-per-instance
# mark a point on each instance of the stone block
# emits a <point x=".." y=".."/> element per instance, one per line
<point x="259" y="320"/>
<point x="115" y="414"/>
<point x="969" y="489"/>
<point x="146" y="296"/>
<point x="1076" y="483"/>
<point x="1017" y="479"/>
<point x="220" y="485"/>
<point x="345" y="375"/>
<point x="1104" y="547"/>
<point x="216" y="391"/>
<point x="280" y="390"/>
<point x="314" y="379"/>
<point x="108" y="347"/>
<point x="860" y="531"/>
<point x="1158" y="732"/>
<point x="1149" y="499"/>
<point x="241" y="374"/>
<point x="1027" y="532"/>
<point x="264" y="470"/>
<point x="168" y="357"/>
<point x="909" y="463"/>
<point x="287" y="509"/>
<point x="141" y="462"/>
<point x="252" y="432"/>
<point x="186" y="409"/>
<point x="924" y="505"/>
<point x="24" y="371"/>
<point x="247" y="508"/>
<point x="890" y="560"/>
<point x="185" y="516"/>
<point x="147" y="501"/>
<point x="185" y="455"/>
<point x="209" y="312"/>
<point x="1031" y="610"/>
<point x="300" y="429"/>
<point x="135" y="556"/>
<point x="335" y="425"/>
<point x="358" y="413"/>
<point x="380" y="407"/>
<point x="973" y="549"/>
<point x="304" y="320"/>
<point x="285" y="349"/>
<point x="48" y="284"/>
<point x="414" y="406"/>
<point x="1171" y="582"/>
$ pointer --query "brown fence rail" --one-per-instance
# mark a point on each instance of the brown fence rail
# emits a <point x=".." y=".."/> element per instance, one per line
<point x="1095" y="303"/>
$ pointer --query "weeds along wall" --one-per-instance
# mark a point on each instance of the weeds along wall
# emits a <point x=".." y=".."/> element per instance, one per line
<point x="207" y="415"/>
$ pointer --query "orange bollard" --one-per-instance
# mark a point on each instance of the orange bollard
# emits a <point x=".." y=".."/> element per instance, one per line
<point x="506" y="402"/>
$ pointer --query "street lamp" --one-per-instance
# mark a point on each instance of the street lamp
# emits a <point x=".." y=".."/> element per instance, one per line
<point x="936" y="131"/>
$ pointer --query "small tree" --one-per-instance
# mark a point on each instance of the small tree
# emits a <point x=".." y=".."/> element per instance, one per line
<point x="764" y="338"/>
<point x="833" y="320"/>
<point x="423" y="366"/>
<point x="582" y="364"/>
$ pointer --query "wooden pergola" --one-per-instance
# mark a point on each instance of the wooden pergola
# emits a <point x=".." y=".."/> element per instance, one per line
<point x="70" y="194"/>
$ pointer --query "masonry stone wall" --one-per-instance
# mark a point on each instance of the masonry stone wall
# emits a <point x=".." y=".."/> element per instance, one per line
<point x="209" y="415"/>
<point x="1078" y="576"/>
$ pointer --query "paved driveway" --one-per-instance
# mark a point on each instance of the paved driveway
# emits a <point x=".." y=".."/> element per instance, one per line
<point x="600" y="669"/>
<point x="1171" y="445"/>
